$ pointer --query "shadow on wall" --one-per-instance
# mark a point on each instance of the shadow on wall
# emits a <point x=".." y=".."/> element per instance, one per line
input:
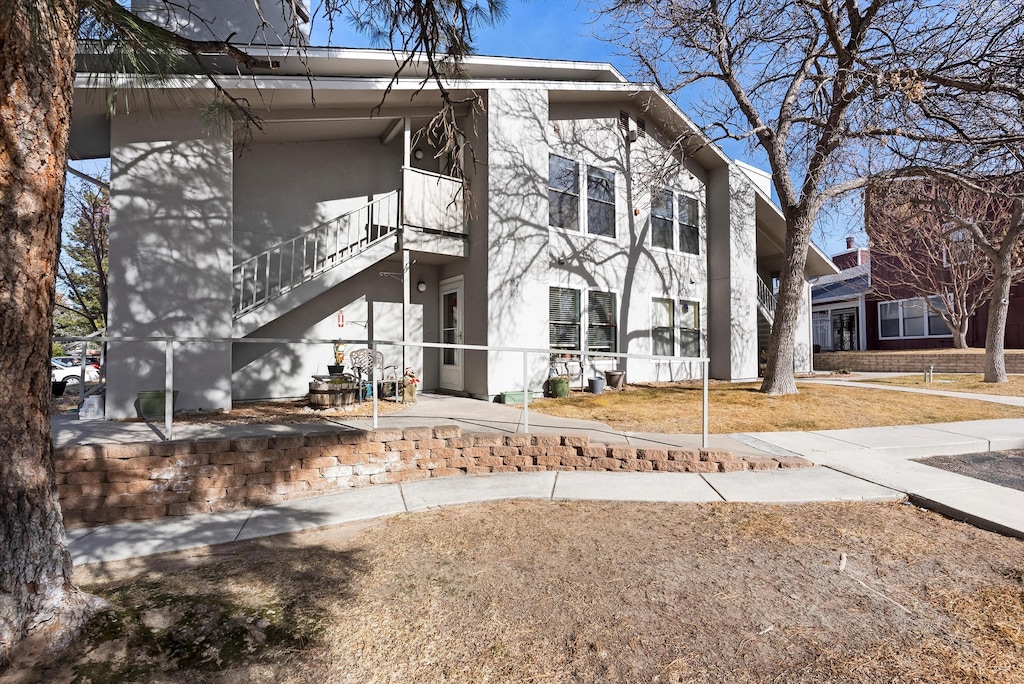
<point x="526" y="256"/>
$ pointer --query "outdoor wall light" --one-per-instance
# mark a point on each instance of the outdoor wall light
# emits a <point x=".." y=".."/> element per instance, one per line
<point x="417" y="154"/>
<point x="421" y="286"/>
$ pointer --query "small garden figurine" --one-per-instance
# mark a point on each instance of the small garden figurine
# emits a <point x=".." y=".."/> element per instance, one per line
<point x="339" y="353"/>
<point x="409" y="386"/>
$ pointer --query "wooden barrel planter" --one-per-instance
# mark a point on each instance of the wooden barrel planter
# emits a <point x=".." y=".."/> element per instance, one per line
<point x="332" y="394"/>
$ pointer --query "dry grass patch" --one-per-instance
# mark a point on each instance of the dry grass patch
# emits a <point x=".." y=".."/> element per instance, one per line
<point x="676" y="408"/>
<point x="956" y="382"/>
<point x="572" y="592"/>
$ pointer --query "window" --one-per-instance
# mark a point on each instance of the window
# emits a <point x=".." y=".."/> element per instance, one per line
<point x="600" y="202"/>
<point x="888" y="319"/>
<point x="959" y="249"/>
<point x="564" y="197"/>
<point x="601" y="320"/>
<point x="689" y="235"/>
<point x="671" y="320"/>
<point x="563" y="193"/>
<point x="911" y="318"/>
<point x="936" y="325"/>
<point x="666" y="231"/>
<point x="563" y="318"/>
<point x="662" y="218"/>
<point x="663" y="327"/>
<point x="689" y="329"/>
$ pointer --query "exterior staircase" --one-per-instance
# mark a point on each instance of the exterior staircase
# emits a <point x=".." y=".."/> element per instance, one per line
<point x="425" y="215"/>
<point x="766" y="309"/>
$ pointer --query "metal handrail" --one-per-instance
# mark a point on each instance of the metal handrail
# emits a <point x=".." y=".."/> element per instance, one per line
<point x="169" y="343"/>
<point x="279" y="269"/>
<point x="766" y="297"/>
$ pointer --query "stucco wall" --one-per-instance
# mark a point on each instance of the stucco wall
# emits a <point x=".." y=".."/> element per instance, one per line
<point x="170" y="258"/>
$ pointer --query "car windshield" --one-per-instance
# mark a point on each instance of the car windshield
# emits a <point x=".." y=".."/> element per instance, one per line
<point x="59" y="363"/>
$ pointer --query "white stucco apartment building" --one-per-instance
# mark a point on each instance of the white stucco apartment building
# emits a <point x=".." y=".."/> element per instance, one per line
<point x="593" y="213"/>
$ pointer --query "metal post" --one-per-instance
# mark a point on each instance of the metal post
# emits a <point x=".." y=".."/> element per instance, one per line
<point x="704" y="404"/>
<point x="169" y="388"/>
<point x="406" y="303"/>
<point x="526" y="395"/>
<point x="373" y="381"/>
<point x="81" y="372"/>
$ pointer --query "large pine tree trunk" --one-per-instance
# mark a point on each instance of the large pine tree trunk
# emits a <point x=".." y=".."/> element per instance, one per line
<point x="778" y="374"/>
<point x="37" y="597"/>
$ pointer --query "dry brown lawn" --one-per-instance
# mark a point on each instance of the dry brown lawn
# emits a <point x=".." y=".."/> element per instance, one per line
<point x="676" y="408"/>
<point x="957" y="382"/>
<point x="549" y="592"/>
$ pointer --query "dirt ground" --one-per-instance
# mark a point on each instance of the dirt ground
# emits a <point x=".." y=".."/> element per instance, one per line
<point x="551" y="592"/>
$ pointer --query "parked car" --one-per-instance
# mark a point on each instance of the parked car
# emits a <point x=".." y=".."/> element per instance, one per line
<point x="60" y="372"/>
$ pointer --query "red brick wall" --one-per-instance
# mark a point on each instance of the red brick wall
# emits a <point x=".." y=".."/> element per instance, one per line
<point x="100" y="484"/>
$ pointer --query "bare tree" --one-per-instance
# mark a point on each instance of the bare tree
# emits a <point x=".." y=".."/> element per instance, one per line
<point x="38" y="42"/>
<point x="918" y="249"/>
<point x="822" y="88"/>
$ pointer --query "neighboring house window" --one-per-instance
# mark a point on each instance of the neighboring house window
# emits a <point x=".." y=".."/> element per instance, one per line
<point x="671" y="321"/>
<point x="564" y="197"/>
<point x="563" y="318"/>
<point x="666" y="231"/>
<point x="600" y="202"/>
<point x="563" y="193"/>
<point x="663" y="337"/>
<point x="911" y="318"/>
<point x="601" y="321"/>
<point x="960" y="249"/>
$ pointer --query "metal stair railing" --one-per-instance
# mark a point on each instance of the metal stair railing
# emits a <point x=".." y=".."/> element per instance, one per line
<point x="766" y="300"/>
<point x="279" y="269"/>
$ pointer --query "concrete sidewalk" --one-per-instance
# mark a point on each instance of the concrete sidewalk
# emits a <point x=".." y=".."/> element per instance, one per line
<point x="883" y="456"/>
<point x="129" y="540"/>
<point x="853" y="465"/>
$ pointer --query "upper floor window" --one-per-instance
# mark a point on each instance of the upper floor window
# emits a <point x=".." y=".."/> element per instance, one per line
<point x="564" y="201"/>
<point x="563" y="193"/>
<point x="674" y="223"/>
<point x="600" y="202"/>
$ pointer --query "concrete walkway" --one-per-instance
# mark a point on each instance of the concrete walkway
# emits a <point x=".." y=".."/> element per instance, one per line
<point x="869" y="464"/>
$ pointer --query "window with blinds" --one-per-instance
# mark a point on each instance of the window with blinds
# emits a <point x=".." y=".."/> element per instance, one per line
<point x="601" y="321"/>
<point x="563" y="318"/>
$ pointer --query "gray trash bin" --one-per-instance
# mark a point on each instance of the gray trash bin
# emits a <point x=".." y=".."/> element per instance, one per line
<point x="596" y="385"/>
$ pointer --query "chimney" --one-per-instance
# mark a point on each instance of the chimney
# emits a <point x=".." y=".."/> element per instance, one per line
<point x="849" y="243"/>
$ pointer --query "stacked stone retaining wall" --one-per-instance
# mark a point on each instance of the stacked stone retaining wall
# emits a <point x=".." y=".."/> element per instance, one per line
<point x="913" y="362"/>
<point x="108" y="483"/>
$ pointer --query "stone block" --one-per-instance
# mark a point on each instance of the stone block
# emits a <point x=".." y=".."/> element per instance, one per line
<point x="575" y="440"/>
<point x="447" y="431"/>
<point x="250" y="444"/>
<point x="414" y="434"/>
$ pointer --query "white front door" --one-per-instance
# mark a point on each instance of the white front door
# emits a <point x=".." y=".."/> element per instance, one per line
<point x="451" y="333"/>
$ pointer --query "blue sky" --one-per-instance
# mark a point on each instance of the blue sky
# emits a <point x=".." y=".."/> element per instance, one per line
<point x="564" y="29"/>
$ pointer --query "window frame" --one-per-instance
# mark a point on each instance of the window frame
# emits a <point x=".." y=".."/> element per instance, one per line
<point x="914" y="303"/>
<point x="680" y="335"/>
<point x="586" y="201"/>
<point x="678" y="226"/>
<point x="583" y="320"/>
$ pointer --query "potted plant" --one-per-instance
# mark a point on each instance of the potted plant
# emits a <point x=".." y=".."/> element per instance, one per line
<point x="558" y="385"/>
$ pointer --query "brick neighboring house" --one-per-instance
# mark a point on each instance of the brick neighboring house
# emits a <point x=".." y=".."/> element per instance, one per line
<point x="849" y="314"/>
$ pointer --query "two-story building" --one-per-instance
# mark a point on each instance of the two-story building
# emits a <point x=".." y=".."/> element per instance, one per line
<point x="593" y="214"/>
